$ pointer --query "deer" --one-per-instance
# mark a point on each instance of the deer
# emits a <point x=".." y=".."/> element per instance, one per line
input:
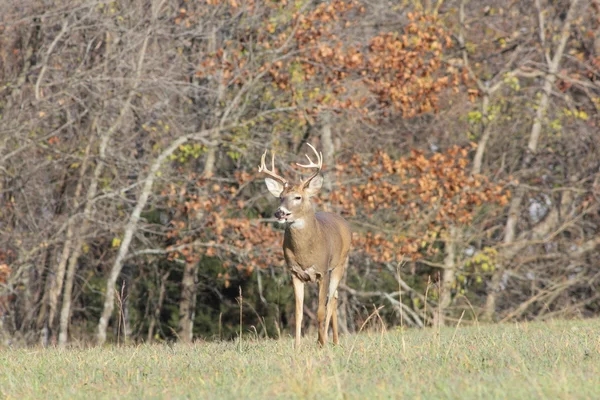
<point x="316" y="245"/>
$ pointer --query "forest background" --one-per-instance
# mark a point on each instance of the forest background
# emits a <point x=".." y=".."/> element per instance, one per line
<point x="460" y="139"/>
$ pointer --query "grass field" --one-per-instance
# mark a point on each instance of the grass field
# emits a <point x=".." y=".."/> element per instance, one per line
<point x="555" y="360"/>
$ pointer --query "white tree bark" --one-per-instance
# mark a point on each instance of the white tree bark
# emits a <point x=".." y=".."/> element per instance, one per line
<point x="67" y="246"/>
<point x="485" y="136"/>
<point x="211" y="155"/>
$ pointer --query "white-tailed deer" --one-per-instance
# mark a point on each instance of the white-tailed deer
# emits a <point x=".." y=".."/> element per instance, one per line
<point x="315" y="244"/>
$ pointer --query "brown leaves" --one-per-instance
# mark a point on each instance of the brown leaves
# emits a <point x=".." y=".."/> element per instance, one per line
<point x="5" y="272"/>
<point x="397" y="71"/>
<point x="209" y="223"/>
<point x="414" y="199"/>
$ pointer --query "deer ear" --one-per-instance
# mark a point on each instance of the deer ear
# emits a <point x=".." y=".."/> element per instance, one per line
<point x="314" y="185"/>
<point x="274" y="187"/>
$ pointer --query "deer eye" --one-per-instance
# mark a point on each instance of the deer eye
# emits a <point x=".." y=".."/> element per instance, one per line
<point x="298" y="198"/>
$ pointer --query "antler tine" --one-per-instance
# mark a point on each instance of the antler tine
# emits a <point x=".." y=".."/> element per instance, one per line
<point x="263" y="168"/>
<point x="311" y="164"/>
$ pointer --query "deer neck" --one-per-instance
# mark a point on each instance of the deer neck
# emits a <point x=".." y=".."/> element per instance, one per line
<point x="303" y="231"/>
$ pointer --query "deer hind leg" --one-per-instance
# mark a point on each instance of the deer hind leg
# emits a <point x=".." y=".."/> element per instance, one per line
<point x="335" y="276"/>
<point x="322" y="311"/>
<point x="334" y="321"/>
<point x="299" y="295"/>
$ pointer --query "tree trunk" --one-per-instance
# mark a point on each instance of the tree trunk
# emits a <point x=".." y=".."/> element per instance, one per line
<point x="448" y="276"/>
<point x="211" y="154"/>
<point x="211" y="157"/>
<point x="156" y="315"/>
<point x="67" y="247"/>
<point x="328" y="152"/>
<point x="187" y="302"/>
<point x="485" y="134"/>
<point x="65" y="312"/>
<point x="42" y="320"/>
<point x="532" y="146"/>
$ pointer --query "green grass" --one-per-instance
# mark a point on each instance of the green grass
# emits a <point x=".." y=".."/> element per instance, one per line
<point x="555" y="360"/>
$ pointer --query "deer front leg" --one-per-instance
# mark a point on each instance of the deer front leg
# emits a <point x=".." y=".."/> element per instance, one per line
<point x="299" y="295"/>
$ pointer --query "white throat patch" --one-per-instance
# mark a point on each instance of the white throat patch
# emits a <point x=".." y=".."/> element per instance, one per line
<point x="297" y="224"/>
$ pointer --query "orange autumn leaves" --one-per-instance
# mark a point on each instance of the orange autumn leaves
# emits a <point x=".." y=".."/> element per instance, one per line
<point x="412" y="200"/>
<point x="210" y="221"/>
<point x="5" y="269"/>
<point x="4" y="272"/>
<point x="302" y="55"/>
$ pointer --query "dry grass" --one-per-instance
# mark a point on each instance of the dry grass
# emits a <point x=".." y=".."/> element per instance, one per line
<point x="555" y="360"/>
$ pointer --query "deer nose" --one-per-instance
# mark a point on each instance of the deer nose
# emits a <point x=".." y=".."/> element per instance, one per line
<point x="280" y="214"/>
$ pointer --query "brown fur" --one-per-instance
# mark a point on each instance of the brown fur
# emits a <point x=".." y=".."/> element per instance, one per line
<point x="324" y="249"/>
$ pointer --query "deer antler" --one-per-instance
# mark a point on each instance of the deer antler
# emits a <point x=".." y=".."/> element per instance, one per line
<point x="263" y="168"/>
<point x="311" y="164"/>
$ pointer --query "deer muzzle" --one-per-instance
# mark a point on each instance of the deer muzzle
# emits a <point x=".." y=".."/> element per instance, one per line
<point x="282" y="214"/>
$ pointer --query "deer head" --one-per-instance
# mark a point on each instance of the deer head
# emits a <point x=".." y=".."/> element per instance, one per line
<point x="294" y="199"/>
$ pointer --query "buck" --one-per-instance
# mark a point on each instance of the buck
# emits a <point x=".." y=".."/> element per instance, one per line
<point x="315" y="244"/>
